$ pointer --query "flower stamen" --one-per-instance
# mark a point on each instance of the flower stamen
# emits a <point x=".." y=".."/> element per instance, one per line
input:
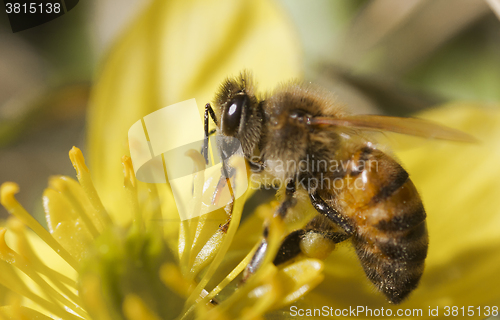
<point x="11" y="280"/>
<point x="7" y="199"/>
<point x="83" y="175"/>
<point x="186" y="236"/>
<point x="61" y="184"/>
<point x="18" y="261"/>
<point x="226" y="241"/>
<point x="233" y="274"/>
<point x="23" y="247"/>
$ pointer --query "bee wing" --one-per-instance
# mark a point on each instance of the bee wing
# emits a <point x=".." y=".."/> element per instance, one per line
<point x="409" y="126"/>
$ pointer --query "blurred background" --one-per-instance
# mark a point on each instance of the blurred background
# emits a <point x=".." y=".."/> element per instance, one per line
<point x="383" y="56"/>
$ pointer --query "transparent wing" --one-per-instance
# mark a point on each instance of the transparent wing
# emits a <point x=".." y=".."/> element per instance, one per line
<point x="409" y="126"/>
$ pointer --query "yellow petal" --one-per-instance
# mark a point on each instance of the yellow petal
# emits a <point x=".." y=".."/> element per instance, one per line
<point x="459" y="185"/>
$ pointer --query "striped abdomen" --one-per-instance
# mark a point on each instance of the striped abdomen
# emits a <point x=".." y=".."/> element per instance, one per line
<point x="390" y="234"/>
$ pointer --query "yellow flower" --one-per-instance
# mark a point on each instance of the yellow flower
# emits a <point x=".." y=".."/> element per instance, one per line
<point x="109" y="254"/>
<point x="130" y="273"/>
<point x="108" y="267"/>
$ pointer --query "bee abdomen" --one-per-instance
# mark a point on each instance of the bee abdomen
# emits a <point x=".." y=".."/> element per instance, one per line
<point x="391" y="236"/>
<point x="394" y="278"/>
<point x="411" y="247"/>
<point x="393" y="250"/>
<point x="395" y="266"/>
<point x="410" y="217"/>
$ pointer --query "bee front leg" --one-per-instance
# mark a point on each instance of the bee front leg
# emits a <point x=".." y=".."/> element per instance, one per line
<point x="208" y="111"/>
<point x="282" y="210"/>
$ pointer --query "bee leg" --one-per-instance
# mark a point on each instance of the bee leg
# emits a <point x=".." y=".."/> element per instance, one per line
<point x="316" y="240"/>
<point x="228" y="173"/>
<point x="323" y="208"/>
<point x="256" y="166"/>
<point x="211" y="132"/>
<point x="208" y="110"/>
<point x="230" y="205"/>
<point x="204" y="148"/>
<point x="257" y="259"/>
<point x="313" y="243"/>
<point x="290" y="247"/>
<point x="289" y="201"/>
<point x="336" y="237"/>
<point x="282" y="210"/>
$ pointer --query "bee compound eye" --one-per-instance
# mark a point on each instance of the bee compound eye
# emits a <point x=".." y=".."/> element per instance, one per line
<point x="232" y="115"/>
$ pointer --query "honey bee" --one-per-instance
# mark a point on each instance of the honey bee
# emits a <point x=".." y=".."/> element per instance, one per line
<point x="370" y="199"/>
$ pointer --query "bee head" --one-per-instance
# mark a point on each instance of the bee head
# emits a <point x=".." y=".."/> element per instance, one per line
<point x="239" y="111"/>
<point x="235" y="103"/>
